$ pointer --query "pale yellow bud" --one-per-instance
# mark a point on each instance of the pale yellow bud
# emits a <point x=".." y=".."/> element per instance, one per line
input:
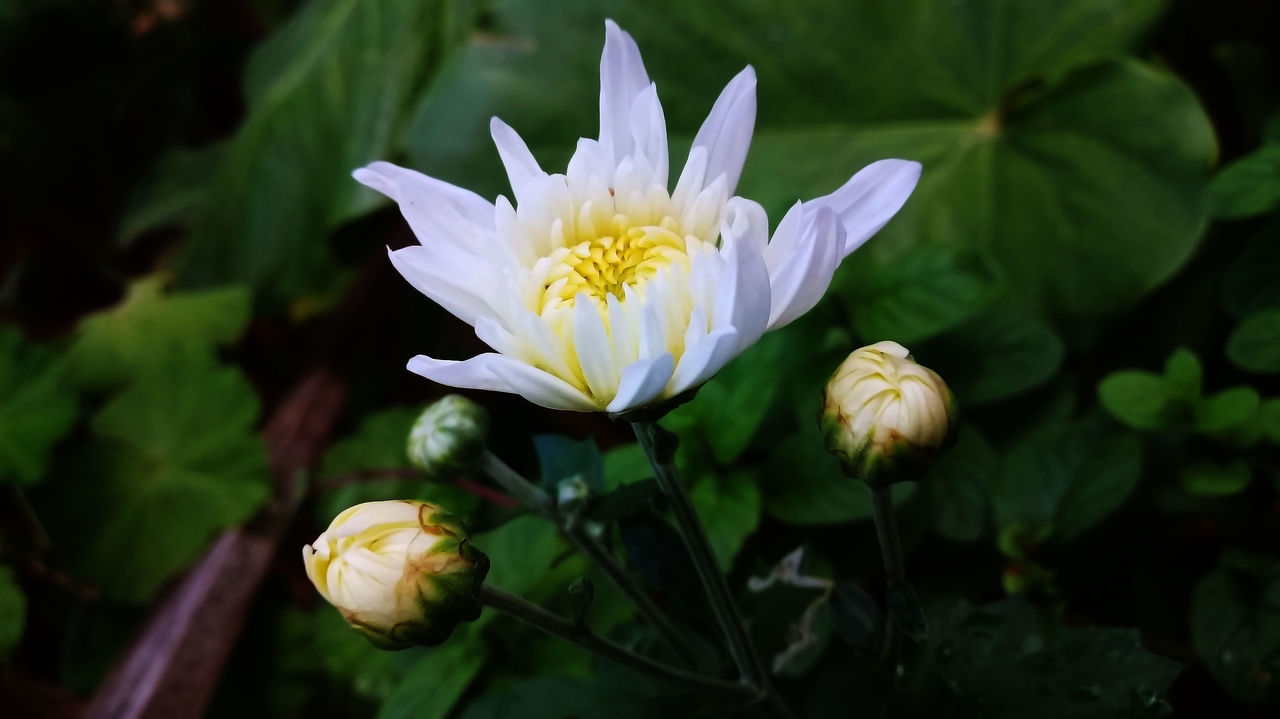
<point x="884" y="415"/>
<point x="402" y="572"/>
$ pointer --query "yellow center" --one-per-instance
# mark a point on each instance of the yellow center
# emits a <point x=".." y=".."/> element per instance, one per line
<point x="607" y="264"/>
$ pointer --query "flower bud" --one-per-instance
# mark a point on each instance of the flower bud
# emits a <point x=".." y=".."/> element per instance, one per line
<point x="884" y="416"/>
<point x="448" y="437"/>
<point x="402" y="573"/>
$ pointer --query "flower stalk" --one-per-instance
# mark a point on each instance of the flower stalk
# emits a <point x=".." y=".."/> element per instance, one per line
<point x="537" y="500"/>
<point x="580" y="635"/>
<point x="744" y="654"/>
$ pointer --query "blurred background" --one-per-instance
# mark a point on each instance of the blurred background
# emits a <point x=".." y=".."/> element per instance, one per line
<point x="202" y="345"/>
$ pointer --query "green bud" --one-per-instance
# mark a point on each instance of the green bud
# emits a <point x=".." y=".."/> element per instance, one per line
<point x="448" y="437"/>
<point x="884" y="416"/>
<point x="402" y="573"/>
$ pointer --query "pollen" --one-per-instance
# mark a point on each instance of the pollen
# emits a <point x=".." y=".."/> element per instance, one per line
<point x="608" y="264"/>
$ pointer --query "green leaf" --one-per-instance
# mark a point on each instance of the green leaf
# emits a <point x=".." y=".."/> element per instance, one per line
<point x="13" y="611"/>
<point x="1003" y="661"/>
<point x="1081" y="177"/>
<point x="379" y="445"/>
<point x="173" y="193"/>
<point x="1254" y="345"/>
<point x="802" y="484"/>
<point x="562" y="458"/>
<point x="1138" y="399"/>
<point x="1248" y="281"/>
<point x="1067" y="478"/>
<point x="175" y="461"/>
<point x="1268" y="419"/>
<point x="523" y="555"/>
<point x="328" y="92"/>
<point x="728" y="410"/>
<point x="1000" y="354"/>
<point x="1211" y="480"/>
<point x="1235" y="628"/>
<point x="729" y="507"/>
<point x="627" y="500"/>
<point x="1249" y="186"/>
<point x="624" y="464"/>
<point x="133" y="338"/>
<point x="1182" y="375"/>
<point x="957" y="487"/>
<point x="36" y="407"/>
<point x="925" y="292"/>
<point x="1226" y="409"/>
<point x="434" y="684"/>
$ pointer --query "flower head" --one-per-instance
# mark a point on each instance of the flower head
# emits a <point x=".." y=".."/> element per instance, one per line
<point x="402" y="573"/>
<point x="448" y="437"/>
<point x="603" y="289"/>
<point x="883" y="414"/>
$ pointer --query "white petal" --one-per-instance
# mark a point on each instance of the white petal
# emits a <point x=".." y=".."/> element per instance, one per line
<point x="870" y="198"/>
<point x="428" y="204"/>
<point x="726" y="133"/>
<point x="595" y="356"/>
<point x="499" y="373"/>
<point x="804" y="262"/>
<point x="691" y="182"/>
<point x="743" y="297"/>
<point x="649" y="131"/>
<point x="521" y="167"/>
<point x="459" y="293"/>
<point x="704" y="358"/>
<point x="642" y="381"/>
<point x="622" y="79"/>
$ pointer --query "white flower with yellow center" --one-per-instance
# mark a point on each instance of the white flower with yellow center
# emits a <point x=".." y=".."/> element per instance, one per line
<point x="600" y="289"/>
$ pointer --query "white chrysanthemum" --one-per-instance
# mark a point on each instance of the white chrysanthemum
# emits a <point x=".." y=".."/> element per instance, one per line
<point x="600" y="289"/>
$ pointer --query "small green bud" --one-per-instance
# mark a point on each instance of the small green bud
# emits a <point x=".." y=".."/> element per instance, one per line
<point x="402" y="573"/>
<point x="448" y="437"/>
<point x="884" y="416"/>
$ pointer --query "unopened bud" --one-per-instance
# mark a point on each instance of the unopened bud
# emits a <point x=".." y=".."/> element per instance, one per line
<point x="448" y="437"/>
<point x="402" y="573"/>
<point x="885" y="416"/>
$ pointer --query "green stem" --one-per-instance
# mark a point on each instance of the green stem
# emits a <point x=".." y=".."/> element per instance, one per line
<point x="704" y="560"/>
<point x="887" y="533"/>
<point x="585" y="638"/>
<point x="896" y="578"/>
<point x="531" y="496"/>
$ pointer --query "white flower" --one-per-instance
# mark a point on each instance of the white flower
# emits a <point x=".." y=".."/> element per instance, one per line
<point x="602" y="290"/>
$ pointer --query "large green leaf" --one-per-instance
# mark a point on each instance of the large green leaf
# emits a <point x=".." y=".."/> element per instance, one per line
<point x="175" y="459"/>
<point x="435" y="683"/>
<point x="371" y="465"/>
<point x="327" y="93"/>
<point x="958" y="487"/>
<point x="1079" y="176"/>
<point x="13" y="611"/>
<point x="1235" y="627"/>
<point x="36" y="407"/>
<point x="926" y="291"/>
<point x="1067" y="478"/>
<point x="1255" y="343"/>
<point x="137" y="336"/>
<point x="999" y="354"/>
<point x="1004" y="661"/>
<point x="1249" y="186"/>
<point x="729" y="507"/>
<point x="802" y="484"/>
